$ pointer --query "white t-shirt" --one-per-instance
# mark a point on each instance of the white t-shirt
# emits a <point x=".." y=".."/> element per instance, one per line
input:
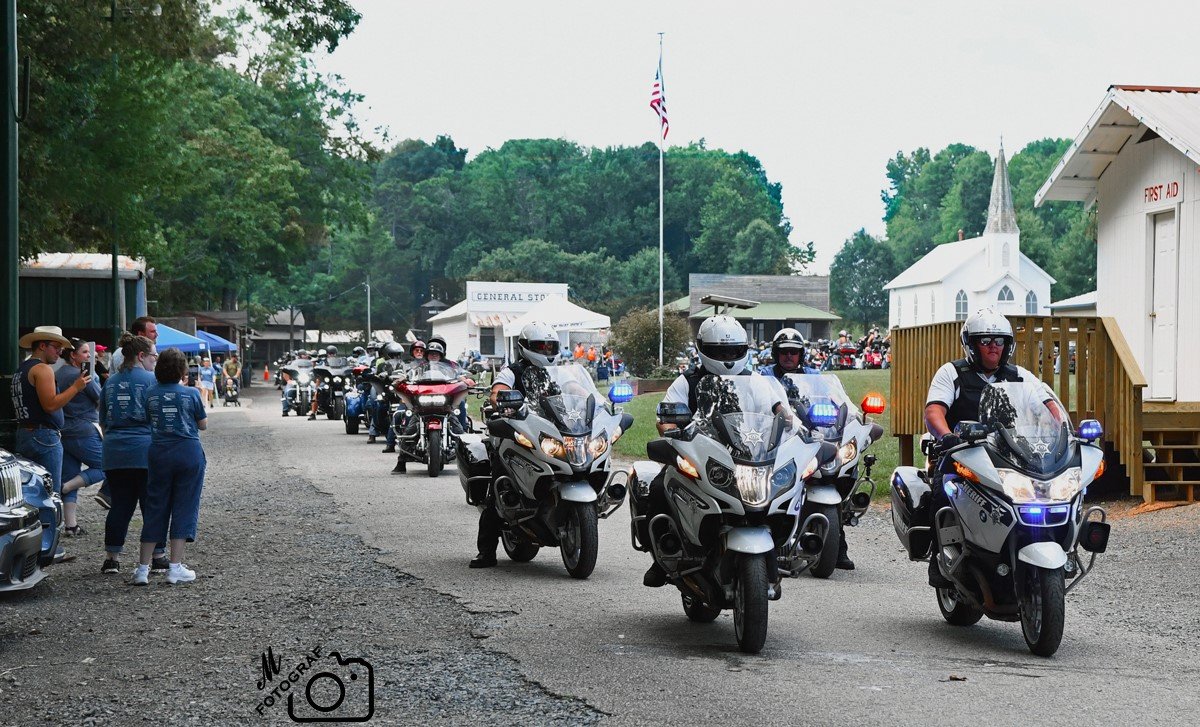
<point x="677" y="393"/>
<point x="944" y="387"/>
<point x="507" y="377"/>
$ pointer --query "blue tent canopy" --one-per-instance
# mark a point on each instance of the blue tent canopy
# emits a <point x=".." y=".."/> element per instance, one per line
<point x="173" y="338"/>
<point x="216" y="344"/>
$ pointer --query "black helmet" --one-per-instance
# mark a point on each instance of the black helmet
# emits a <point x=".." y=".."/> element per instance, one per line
<point x="391" y="349"/>
<point x="436" y="345"/>
<point x="787" y="339"/>
<point x="415" y="345"/>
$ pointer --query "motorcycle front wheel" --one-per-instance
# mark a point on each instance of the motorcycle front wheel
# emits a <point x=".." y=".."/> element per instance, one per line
<point x="1043" y="609"/>
<point x="351" y="425"/>
<point x="435" y="452"/>
<point x="518" y="550"/>
<point x="581" y="543"/>
<point x="825" y="564"/>
<point x="750" y="603"/>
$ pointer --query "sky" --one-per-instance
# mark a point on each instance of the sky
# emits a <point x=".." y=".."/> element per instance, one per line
<point x="823" y="94"/>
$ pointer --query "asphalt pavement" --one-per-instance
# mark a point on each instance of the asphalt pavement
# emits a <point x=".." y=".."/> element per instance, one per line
<point x="867" y="646"/>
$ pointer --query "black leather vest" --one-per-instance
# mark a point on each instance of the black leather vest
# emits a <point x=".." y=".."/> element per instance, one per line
<point x="970" y="388"/>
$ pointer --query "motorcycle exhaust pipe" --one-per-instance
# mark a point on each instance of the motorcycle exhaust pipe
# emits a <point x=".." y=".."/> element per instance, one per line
<point x="616" y="492"/>
<point x="861" y="500"/>
<point x="811" y="543"/>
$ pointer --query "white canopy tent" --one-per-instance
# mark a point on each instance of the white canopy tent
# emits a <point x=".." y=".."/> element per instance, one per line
<point x="562" y="315"/>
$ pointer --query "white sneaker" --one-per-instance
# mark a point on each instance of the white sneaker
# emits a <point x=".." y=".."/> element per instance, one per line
<point x="141" y="575"/>
<point x="180" y="573"/>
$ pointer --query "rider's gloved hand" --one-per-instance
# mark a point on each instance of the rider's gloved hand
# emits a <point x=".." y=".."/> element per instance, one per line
<point x="949" y="441"/>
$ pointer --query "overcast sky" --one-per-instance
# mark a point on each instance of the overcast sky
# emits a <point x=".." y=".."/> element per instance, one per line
<point x="823" y="94"/>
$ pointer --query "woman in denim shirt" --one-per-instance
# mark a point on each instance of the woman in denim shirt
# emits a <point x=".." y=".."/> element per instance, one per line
<point x="176" y="466"/>
<point x="126" y="444"/>
<point x="80" y="433"/>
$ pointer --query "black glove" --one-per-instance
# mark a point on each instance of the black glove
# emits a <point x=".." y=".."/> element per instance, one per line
<point x="949" y="441"/>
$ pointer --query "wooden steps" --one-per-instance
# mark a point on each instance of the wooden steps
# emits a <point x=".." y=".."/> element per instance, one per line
<point x="1172" y="437"/>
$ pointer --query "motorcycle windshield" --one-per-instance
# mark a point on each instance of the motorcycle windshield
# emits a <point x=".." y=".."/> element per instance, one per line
<point x="806" y="391"/>
<point x="1028" y="427"/>
<point x="434" y="372"/>
<point x="336" y="362"/>
<point x="568" y="398"/>
<point x="745" y="413"/>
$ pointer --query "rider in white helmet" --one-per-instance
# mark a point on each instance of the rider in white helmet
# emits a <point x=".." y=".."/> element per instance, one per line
<point x="537" y="348"/>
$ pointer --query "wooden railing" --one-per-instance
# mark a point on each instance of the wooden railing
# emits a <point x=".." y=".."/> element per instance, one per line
<point x="1103" y="381"/>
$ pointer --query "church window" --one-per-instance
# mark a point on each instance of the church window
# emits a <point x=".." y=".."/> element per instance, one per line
<point x="1005" y="256"/>
<point x="1031" y="306"/>
<point x="960" y="306"/>
<point x="1006" y="295"/>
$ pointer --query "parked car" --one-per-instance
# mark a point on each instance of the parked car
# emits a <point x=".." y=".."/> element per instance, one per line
<point x="38" y="489"/>
<point x="20" y="530"/>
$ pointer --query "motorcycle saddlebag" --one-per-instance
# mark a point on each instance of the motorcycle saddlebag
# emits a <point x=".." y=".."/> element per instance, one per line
<point x="911" y="516"/>
<point x="474" y="469"/>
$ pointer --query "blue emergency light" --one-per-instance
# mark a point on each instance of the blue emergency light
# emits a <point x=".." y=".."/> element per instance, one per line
<point x="823" y="414"/>
<point x="1090" y="430"/>
<point x="620" y="393"/>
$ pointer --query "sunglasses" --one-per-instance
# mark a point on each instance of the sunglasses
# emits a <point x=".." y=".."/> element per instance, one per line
<point x="992" y="342"/>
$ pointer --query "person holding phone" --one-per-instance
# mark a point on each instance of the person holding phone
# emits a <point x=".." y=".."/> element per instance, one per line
<point x="81" y="440"/>
<point x="38" y="404"/>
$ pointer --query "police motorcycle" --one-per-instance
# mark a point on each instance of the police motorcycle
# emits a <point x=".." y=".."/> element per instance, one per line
<point x="735" y="473"/>
<point x="548" y="459"/>
<point x="298" y="392"/>
<point x="427" y="429"/>
<point x="333" y="375"/>
<point x="840" y="488"/>
<point x="1010" y="539"/>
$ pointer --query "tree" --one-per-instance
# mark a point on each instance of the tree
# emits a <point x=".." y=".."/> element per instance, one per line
<point x="635" y="339"/>
<point x="857" y="276"/>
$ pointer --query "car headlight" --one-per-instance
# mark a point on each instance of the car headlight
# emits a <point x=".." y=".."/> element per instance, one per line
<point x="848" y="451"/>
<point x="432" y="399"/>
<point x="753" y="483"/>
<point x="1021" y="488"/>
<point x="598" y="446"/>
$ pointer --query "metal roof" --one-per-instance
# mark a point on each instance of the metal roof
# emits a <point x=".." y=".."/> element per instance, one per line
<point x="82" y="265"/>
<point x="939" y="262"/>
<point x="1172" y="112"/>
<point x="773" y="311"/>
<point x="1087" y="300"/>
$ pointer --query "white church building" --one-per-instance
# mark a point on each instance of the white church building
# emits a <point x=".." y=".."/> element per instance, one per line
<point x="957" y="278"/>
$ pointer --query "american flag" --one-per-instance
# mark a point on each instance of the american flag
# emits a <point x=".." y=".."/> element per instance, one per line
<point x="658" y="100"/>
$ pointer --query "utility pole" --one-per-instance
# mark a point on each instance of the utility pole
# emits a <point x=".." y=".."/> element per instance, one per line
<point x="10" y="261"/>
<point x="368" y="284"/>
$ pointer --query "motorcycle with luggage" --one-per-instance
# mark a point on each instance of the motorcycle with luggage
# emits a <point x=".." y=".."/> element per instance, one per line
<point x="333" y="375"/>
<point x="298" y="387"/>
<point x="427" y="428"/>
<point x="1009" y="539"/>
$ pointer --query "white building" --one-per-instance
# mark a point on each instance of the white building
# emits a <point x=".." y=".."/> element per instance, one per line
<point x="957" y="278"/>
<point x="1138" y="160"/>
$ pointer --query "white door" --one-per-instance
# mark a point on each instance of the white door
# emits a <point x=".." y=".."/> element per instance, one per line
<point x="1163" y="313"/>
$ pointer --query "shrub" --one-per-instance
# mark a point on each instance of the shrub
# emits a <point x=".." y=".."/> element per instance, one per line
<point x="635" y="339"/>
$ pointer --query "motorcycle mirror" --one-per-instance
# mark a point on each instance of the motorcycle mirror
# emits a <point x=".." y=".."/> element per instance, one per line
<point x="674" y="413"/>
<point x="509" y="398"/>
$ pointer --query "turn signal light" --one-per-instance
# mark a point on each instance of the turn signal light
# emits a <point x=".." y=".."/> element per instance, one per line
<point x="686" y="467"/>
<point x="1100" y="470"/>
<point x="965" y="472"/>
<point x="523" y="440"/>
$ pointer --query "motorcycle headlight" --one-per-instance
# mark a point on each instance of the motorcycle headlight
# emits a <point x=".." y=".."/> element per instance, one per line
<point x="1067" y="485"/>
<point x="599" y="445"/>
<point x="848" y="451"/>
<point x="553" y="447"/>
<point x="337" y="379"/>
<point x="1017" y="486"/>
<point x="753" y="483"/>
<point x="432" y="399"/>
<point x="784" y="477"/>
<point x="1021" y="488"/>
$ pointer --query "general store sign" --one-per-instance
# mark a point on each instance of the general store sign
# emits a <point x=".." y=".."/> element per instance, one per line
<point x="490" y="297"/>
<point x="1164" y="192"/>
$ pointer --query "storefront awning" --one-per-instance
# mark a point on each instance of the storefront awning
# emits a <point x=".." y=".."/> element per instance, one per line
<point x="492" y="320"/>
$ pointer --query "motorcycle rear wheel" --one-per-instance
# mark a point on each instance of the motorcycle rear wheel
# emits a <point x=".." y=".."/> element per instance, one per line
<point x="1043" y="609"/>
<point x="697" y="611"/>
<point x="518" y="550"/>
<point x="750" y="603"/>
<point x="824" y="566"/>
<point x="351" y="425"/>
<point x="582" y="542"/>
<point x="435" y="453"/>
<point x="956" y="611"/>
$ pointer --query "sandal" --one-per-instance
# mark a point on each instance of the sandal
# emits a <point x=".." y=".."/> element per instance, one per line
<point x="74" y="531"/>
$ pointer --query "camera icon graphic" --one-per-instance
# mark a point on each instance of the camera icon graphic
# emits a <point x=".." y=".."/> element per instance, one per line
<point x="345" y="692"/>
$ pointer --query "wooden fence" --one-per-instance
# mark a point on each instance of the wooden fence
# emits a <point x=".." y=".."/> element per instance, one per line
<point x="1097" y="379"/>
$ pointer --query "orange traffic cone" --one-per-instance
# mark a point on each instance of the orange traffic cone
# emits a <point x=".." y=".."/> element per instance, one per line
<point x="266" y="373"/>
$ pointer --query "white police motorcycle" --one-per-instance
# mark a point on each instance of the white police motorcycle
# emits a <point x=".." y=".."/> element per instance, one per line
<point x="734" y="477"/>
<point x="1010" y="537"/>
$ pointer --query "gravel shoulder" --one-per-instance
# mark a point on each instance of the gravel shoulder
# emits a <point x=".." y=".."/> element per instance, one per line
<point x="279" y="568"/>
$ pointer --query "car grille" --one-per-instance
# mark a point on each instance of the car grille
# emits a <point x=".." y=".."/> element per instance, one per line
<point x="28" y="567"/>
<point x="10" y="484"/>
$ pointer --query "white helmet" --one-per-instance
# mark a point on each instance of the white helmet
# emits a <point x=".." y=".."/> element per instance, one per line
<point x="538" y="344"/>
<point x="722" y="346"/>
<point x="983" y="323"/>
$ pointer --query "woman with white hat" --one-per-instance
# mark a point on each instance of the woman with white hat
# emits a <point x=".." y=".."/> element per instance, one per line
<point x="37" y="403"/>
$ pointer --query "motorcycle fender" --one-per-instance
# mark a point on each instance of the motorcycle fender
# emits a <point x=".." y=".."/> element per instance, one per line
<point x="1043" y="555"/>
<point x="433" y="424"/>
<point x="752" y="540"/>
<point x="577" y="492"/>
<point x="823" y="495"/>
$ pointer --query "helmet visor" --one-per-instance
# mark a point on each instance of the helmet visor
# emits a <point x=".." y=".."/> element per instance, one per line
<point x="544" y="348"/>
<point x="726" y="352"/>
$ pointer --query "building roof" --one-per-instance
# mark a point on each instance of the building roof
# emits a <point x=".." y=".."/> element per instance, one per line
<point x="939" y="262"/>
<point x="1087" y="300"/>
<point x="454" y="311"/>
<point x="773" y="311"/>
<point x="1172" y="112"/>
<point x="679" y="305"/>
<point x="811" y="290"/>
<point x="1001" y="216"/>
<point x="82" y="265"/>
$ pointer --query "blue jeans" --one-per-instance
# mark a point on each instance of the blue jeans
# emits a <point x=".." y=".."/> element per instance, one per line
<point x="79" y="451"/>
<point x="43" y="446"/>
<point x="175" y="479"/>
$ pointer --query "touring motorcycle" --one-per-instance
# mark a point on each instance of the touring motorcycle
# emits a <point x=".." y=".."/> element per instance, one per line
<point x="838" y="489"/>
<point x="299" y="390"/>
<point x="1009" y="540"/>
<point x="334" y="376"/>
<point x="733" y="474"/>
<point x="548" y="462"/>
<point x="427" y="430"/>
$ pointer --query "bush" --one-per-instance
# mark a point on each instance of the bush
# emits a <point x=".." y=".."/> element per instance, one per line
<point x="635" y="339"/>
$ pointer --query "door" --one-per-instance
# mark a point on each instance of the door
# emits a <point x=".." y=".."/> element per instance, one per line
<point x="1163" y="308"/>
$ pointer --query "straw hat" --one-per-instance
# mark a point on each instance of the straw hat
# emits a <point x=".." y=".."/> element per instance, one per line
<point x="44" y="333"/>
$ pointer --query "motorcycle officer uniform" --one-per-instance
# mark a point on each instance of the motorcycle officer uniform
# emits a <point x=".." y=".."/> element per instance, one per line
<point x="537" y="349"/>
<point x="955" y="392"/>
<point x="723" y="350"/>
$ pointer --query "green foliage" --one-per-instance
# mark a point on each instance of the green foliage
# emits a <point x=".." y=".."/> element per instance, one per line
<point x="857" y="276"/>
<point x="635" y="338"/>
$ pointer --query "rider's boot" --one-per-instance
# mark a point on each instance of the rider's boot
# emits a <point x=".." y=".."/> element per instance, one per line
<point x="843" y="560"/>
<point x="401" y="466"/>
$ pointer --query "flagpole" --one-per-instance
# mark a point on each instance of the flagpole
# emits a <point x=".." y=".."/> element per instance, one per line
<point x="663" y="88"/>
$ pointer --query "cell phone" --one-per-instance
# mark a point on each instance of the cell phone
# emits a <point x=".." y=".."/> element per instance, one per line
<point x="92" y="359"/>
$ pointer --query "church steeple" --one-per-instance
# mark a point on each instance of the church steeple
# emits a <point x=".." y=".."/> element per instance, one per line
<point x="1001" y="217"/>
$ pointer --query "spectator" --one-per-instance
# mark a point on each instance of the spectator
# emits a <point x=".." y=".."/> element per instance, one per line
<point x="233" y="368"/>
<point x="144" y="326"/>
<point x="175" y="467"/>
<point x="37" y="403"/>
<point x="591" y="357"/>
<point x="208" y="381"/>
<point x="101" y="371"/>
<point x="579" y="352"/>
<point x="126" y="447"/>
<point x="80" y="433"/>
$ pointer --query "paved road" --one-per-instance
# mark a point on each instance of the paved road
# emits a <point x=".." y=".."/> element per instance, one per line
<point x="865" y="646"/>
